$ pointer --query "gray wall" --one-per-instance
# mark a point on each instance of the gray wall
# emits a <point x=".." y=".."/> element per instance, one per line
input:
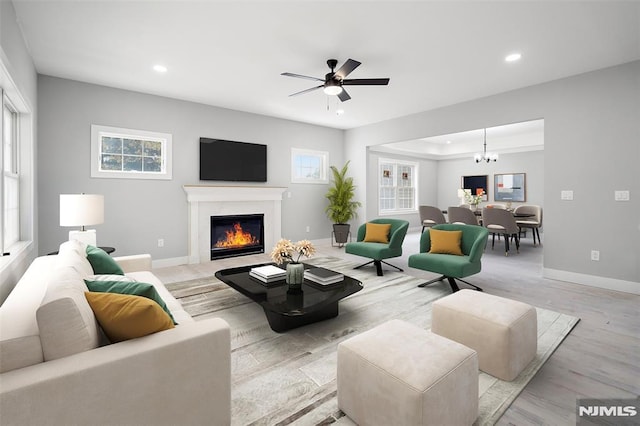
<point x="450" y="174"/>
<point x="591" y="147"/>
<point x="16" y="60"/>
<point x="139" y="212"/>
<point x="427" y="185"/>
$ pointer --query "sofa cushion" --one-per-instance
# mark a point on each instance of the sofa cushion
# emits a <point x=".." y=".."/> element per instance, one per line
<point x="19" y="335"/>
<point x="65" y="319"/>
<point x="110" y="277"/>
<point x="377" y="233"/>
<point x="73" y="253"/>
<point x="445" y="242"/>
<point x="101" y="262"/>
<point x="129" y="287"/>
<point x="125" y="317"/>
<point x="20" y="352"/>
<point x="179" y="314"/>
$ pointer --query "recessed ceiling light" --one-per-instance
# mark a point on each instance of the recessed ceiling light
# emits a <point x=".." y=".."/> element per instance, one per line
<point x="448" y="142"/>
<point x="513" y="57"/>
<point x="339" y="112"/>
<point x="159" y="68"/>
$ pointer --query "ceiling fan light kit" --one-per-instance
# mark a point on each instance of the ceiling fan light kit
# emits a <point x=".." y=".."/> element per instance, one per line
<point x="335" y="80"/>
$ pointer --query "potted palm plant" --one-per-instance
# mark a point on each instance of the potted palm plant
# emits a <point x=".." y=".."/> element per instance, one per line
<point x="341" y="208"/>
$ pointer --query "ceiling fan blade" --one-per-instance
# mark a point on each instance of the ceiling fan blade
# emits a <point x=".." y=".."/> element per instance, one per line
<point x="289" y="74"/>
<point x="306" y="90"/>
<point x="346" y="69"/>
<point x="343" y="96"/>
<point x="366" y="82"/>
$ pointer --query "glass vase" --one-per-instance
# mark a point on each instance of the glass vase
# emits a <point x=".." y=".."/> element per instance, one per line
<point x="295" y="275"/>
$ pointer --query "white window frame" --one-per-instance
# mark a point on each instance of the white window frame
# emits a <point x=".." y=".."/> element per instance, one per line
<point x="12" y="174"/>
<point x="394" y="172"/>
<point x="322" y="156"/>
<point x="25" y="166"/>
<point x="98" y="132"/>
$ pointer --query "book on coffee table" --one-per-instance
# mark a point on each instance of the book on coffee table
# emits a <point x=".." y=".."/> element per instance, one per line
<point x="268" y="273"/>
<point x="323" y="276"/>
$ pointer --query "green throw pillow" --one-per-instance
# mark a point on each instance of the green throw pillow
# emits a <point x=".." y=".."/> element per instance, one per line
<point x="131" y="288"/>
<point x="101" y="262"/>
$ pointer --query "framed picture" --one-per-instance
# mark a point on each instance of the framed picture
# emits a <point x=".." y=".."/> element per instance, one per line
<point x="476" y="184"/>
<point x="509" y="187"/>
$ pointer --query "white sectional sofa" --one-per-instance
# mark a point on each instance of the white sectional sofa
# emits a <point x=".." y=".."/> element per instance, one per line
<point x="57" y="369"/>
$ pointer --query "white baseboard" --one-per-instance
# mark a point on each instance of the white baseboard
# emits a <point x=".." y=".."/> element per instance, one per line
<point x="173" y="261"/>
<point x="592" y="280"/>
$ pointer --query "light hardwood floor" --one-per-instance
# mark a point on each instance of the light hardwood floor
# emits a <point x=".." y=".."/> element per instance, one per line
<point x="599" y="359"/>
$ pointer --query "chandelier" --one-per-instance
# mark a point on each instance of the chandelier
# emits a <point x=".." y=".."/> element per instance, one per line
<point x="485" y="156"/>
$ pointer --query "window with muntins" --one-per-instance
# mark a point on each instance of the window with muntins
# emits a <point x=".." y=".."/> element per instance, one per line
<point x="10" y="177"/>
<point x="309" y="166"/>
<point x="129" y="153"/>
<point x="397" y="186"/>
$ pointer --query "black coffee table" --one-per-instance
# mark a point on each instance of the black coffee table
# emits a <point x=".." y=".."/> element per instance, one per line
<point x="285" y="309"/>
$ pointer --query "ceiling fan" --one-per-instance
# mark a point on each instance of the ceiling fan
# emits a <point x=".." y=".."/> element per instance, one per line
<point x="333" y="81"/>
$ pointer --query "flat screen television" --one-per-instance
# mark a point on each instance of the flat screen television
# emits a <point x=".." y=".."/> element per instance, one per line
<point x="232" y="161"/>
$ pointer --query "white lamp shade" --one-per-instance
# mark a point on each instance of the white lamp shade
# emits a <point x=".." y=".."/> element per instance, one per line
<point x="81" y="209"/>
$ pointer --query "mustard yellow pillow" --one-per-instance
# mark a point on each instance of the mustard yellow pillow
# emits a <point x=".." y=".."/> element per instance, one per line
<point x="445" y="242"/>
<point x="377" y="232"/>
<point x="124" y="317"/>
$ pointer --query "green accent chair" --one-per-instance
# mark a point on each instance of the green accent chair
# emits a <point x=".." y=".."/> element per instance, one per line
<point x="380" y="251"/>
<point x="452" y="267"/>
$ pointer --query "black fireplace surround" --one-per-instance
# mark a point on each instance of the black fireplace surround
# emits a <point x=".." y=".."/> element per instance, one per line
<point x="236" y="235"/>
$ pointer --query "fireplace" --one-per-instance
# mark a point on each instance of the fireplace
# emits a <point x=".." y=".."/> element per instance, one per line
<point x="237" y="235"/>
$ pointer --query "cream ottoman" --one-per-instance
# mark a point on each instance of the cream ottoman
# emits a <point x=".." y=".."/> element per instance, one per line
<point x="502" y="331"/>
<point x="400" y="374"/>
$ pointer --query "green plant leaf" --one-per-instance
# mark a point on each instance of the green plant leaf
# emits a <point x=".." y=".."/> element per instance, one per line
<point x="341" y="208"/>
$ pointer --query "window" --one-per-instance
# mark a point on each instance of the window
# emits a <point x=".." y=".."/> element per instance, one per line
<point x="309" y="166"/>
<point x="10" y="177"/>
<point x="128" y="153"/>
<point x="397" y="186"/>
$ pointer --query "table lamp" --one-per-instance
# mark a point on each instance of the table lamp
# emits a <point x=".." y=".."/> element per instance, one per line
<point x="82" y="210"/>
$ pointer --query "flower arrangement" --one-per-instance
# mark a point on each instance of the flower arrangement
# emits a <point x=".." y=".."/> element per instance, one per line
<point x="474" y="200"/>
<point x="285" y="250"/>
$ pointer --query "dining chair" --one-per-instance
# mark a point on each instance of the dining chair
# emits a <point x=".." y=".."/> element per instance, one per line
<point x="534" y="222"/>
<point x="501" y="222"/>
<point x="430" y="216"/>
<point x="461" y="215"/>
<point x="465" y="205"/>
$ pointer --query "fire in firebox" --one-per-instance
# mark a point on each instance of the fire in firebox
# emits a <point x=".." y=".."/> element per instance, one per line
<point x="236" y="237"/>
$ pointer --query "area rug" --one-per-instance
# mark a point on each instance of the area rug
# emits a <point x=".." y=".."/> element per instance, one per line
<point x="289" y="378"/>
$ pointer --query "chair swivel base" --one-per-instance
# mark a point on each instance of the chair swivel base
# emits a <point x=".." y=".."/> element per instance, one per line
<point x="378" y="264"/>
<point x="452" y="283"/>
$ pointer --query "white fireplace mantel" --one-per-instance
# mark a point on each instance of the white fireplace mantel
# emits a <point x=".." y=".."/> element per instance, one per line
<point x="206" y="201"/>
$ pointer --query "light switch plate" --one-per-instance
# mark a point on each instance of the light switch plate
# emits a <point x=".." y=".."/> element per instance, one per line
<point x="566" y="195"/>
<point x="621" y="195"/>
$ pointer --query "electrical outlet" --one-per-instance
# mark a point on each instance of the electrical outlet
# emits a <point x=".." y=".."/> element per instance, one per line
<point x="566" y="195"/>
<point x="595" y="255"/>
<point x="621" y="195"/>
<point x="161" y="242"/>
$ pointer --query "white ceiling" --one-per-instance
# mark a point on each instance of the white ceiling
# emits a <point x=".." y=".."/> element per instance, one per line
<point x="508" y="138"/>
<point x="231" y="53"/>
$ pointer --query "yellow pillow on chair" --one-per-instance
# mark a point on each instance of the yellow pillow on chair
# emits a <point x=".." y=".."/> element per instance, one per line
<point x="445" y="242"/>
<point x="377" y="233"/>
